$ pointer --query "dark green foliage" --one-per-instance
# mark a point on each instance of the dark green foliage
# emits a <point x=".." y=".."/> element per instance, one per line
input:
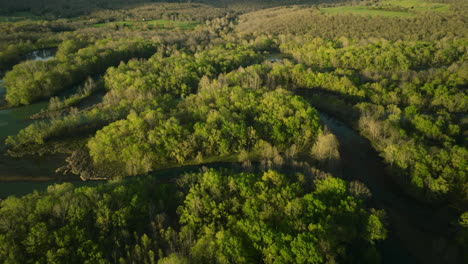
<point x="13" y="53"/>
<point x="106" y="8"/>
<point x="178" y="11"/>
<point x="73" y="124"/>
<point x="463" y="234"/>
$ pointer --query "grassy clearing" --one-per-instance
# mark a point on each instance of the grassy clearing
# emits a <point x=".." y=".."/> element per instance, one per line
<point x="390" y="8"/>
<point x="418" y="5"/>
<point x="364" y="10"/>
<point x="151" y="24"/>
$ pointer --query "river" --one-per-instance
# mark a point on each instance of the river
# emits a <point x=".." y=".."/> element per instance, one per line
<point x="21" y="176"/>
<point x="418" y="233"/>
<point x="41" y="55"/>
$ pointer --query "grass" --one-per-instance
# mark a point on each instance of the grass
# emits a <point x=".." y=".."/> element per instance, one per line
<point x="390" y="8"/>
<point x="418" y="5"/>
<point x="161" y="24"/>
<point x="364" y="10"/>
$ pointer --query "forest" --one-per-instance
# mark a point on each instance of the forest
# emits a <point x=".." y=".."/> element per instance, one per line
<point x="235" y="131"/>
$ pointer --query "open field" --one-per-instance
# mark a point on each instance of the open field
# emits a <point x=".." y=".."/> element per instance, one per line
<point x="390" y="8"/>
<point x="418" y="5"/>
<point x="364" y="10"/>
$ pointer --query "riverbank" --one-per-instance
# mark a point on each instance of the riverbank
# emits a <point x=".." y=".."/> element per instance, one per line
<point x="418" y="233"/>
<point x="29" y="170"/>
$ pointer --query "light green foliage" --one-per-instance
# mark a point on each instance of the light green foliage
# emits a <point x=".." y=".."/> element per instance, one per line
<point x="378" y="55"/>
<point x="273" y="219"/>
<point x="84" y="91"/>
<point x="86" y="225"/>
<point x="69" y="47"/>
<point x="292" y="21"/>
<point x="404" y="70"/>
<point x="173" y="259"/>
<point x="375" y="228"/>
<point x="438" y="170"/>
<point x="33" y="80"/>
<point x="139" y="85"/>
<point x="223" y="217"/>
<point x="218" y="121"/>
<point x="410" y="114"/>
<point x="177" y="74"/>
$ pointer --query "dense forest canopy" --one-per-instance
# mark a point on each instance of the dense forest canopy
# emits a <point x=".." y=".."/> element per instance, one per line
<point x="59" y="8"/>
<point x="267" y="217"/>
<point x="135" y="90"/>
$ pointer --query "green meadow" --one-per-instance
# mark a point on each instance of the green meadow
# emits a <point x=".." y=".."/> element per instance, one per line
<point x="418" y="5"/>
<point x="390" y="8"/>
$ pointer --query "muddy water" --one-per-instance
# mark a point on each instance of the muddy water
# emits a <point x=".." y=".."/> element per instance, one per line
<point x="418" y="233"/>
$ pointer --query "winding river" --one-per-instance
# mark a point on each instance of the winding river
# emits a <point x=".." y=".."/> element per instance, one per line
<point x="418" y="233"/>
<point x="22" y="176"/>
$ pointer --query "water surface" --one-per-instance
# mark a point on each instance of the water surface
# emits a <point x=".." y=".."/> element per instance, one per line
<point x="12" y="120"/>
<point x="23" y="175"/>
<point x="41" y="55"/>
<point x="418" y="233"/>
